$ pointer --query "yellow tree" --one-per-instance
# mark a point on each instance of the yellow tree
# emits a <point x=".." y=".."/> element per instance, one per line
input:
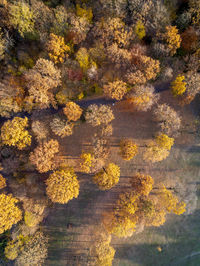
<point x="107" y="177"/>
<point x="72" y="111"/>
<point x="140" y="30"/>
<point x="126" y="204"/>
<point x="9" y="213"/>
<point x="86" y="162"/>
<point x="62" y="185"/>
<point x="115" y="90"/>
<point x="13" y="133"/>
<point x="128" y="149"/>
<point x="142" y="184"/>
<point x="172" y="38"/>
<point x="43" y="155"/>
<point x="170" y="202"/>
<point x="57" y="48"/>
<point x="2" y="182"/>
<point x="164" y="141"/>
<point x="178" y="85"/>
<point x="121" y="226"/>
<point x="102" y="252"/>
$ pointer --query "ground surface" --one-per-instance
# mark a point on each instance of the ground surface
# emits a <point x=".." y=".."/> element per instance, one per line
<point x="70" y="227"/>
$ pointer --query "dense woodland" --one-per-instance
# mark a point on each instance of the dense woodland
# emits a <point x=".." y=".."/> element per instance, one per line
<point x="57" y="54"/>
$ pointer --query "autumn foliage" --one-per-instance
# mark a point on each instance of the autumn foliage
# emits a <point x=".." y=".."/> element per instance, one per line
<point x="172" y="38"/>
<point x="178" y="85"/>
<point x="2" y="182"/>
<point x="107" y="177"/>
<point x="9" y="213"/>
<point x="72" y="111"/>
<point x="43" y="155"/>
<point x="13" y="133"/>
<point x="115" y="90"/>
<point x="128" y="149"/>
<point x="57" y="48"/>
<point x="62" y="186"/>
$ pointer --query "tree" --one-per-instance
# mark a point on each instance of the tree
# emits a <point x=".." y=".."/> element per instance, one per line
<point x="9" y="213"/>
<point x="120" y="226"/>
<point x="143" y="97"/>
<point x="168" y="119"/>
<point x="97" y="115"/>
<point x="84" y="12"/>
<point x="112" y="30"/>
<point x="41" y="79"/>
<point x="189" y="40"/>
<point x="155" y="153"/>
<point x="34" y="251"/>
<point x="2" y="182"/>
<point x="178" y="85"/>
<point x="142" y="184"/>
<point x="72" y="111"/>
<point x="102" y="252"/>
<point x="87" y="160"/>
<point x="164" y="141"/>
<point x="61" y="128"/>
<point x="21" y="17"/>
<point x="13" y="133"/>
<point x="57" y="48"/>
<point x="143" y="68"/>
<point x="172" y="38"/>
<point x="107" y="177"/>
<point x="128" y="149"/>
<point x="127" y="204"/>
<point x="170" y="202"/>
<point x="39" y="130"/>
<point x="82" y="56"/>
<point x="43" y="155"/>
<point x="62" y="186"/>
<point x="115" y="90"/>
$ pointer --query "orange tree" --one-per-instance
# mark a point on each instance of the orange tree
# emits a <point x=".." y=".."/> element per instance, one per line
<point x="43" y="155"/>
<point x="13" y="133"/>
<point x="115" y="90"/>
<point x="107" y="177"/>
<point x="9" y="213"/>
<point x="62" y="185"/>
<point x="128" y="149"/>
<point x="72" y="111"/>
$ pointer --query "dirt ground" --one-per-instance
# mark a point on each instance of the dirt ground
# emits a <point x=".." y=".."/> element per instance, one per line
<point x="70" y="227"/>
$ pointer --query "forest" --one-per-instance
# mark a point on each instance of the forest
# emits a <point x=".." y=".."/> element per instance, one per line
<point x="99" y="132"/>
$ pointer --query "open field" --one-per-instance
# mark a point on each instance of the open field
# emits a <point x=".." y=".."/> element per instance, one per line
<point x="70" y="226"/>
